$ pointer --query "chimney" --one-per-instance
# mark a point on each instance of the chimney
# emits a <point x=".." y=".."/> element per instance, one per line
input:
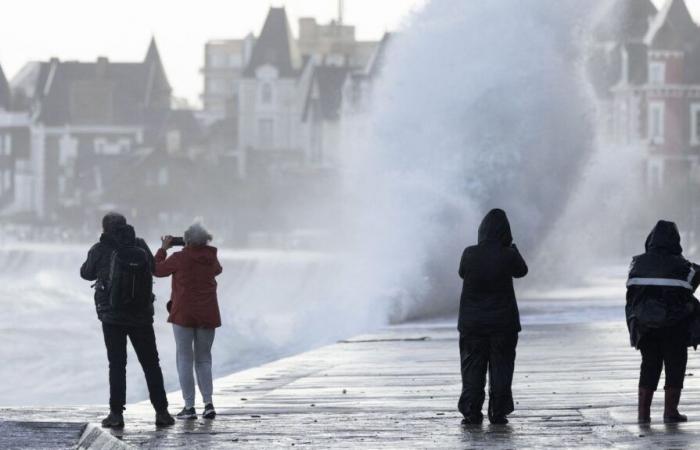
<point x="101" y="68"/>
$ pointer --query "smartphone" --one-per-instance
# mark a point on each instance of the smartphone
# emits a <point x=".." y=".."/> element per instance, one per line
<point x="178" y="242"/>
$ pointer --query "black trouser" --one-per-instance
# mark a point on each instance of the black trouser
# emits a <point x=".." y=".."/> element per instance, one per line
<point x="479" y="353"/>
<point x="667" y="348"/>
<point x="143" y="339"/>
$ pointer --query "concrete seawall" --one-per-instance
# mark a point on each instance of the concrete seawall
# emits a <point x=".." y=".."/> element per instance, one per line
<point x="575" y="386"/>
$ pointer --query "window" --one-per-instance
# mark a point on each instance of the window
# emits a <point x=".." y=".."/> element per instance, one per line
<point x="217" y="60"/>
<point x="235" y="60"/>
<point x="162" y="176"/>
<point x="695" y="124"/>
<point x="8" y="145"/>
<point x="104" y="147"/>
<point x="173" y="141"/>
<point x="656" y="122"/>
<point x="266" y="94"/>
<point x="5" y="144"/>
<point x="217" y="86"/>
<point x="100" y="145"/>
<point x="657" y="72"/>
<point x="68" y="150"/>
<point x="266" y="133"/>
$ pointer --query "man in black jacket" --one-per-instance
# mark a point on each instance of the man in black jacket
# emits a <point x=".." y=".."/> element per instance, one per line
<point x="489" y="320"/>
<point x="136" y="323"/>
<point x="660" y="306"/>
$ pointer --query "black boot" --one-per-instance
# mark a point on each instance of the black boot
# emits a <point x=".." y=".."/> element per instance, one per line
<point x="671" y="401"/>
<point x="644" y="405"/>
<point x="164" y="419"/>
<point x="113" y="420"/>
<point x="473" y="419"/>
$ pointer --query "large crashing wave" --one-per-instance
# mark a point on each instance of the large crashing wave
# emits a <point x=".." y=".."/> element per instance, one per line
<point x="481" y="104"/>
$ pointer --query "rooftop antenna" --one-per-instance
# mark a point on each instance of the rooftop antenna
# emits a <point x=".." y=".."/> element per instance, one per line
<point x="340" y="12"/>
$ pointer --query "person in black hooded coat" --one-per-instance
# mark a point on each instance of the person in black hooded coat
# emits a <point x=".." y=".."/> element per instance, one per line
<point x="659" y="309"/>
<point x="489" y="320"/>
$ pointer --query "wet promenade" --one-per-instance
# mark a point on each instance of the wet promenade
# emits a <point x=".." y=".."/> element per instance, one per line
<point x="575" y="386"/>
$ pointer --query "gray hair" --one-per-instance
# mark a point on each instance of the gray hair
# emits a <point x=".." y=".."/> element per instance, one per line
<point x="197" y="235"/>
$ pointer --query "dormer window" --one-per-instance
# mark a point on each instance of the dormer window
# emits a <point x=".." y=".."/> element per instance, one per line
<point x="657" y="72"/>
<point x="266" y="93"/>
<point x="5" y="144"/>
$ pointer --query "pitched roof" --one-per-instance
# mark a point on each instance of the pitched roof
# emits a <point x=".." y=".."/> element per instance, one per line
<point x="673" y="28"/>
<point x="157" y="79"/>
<point x="691" y="65"/>
<point x="276" y="46"/>
<point x="625" y="21"/>
<point x="5" y="93"/>
<point x="327" y="85"/>
<point x="101" y="92"/>
<point x="376" y="62"/>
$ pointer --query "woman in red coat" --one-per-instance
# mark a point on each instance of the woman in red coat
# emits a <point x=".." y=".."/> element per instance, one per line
<point x="194" y="312"/>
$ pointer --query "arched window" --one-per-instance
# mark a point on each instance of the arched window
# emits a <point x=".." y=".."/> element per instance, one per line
<point x="266" y="93"/>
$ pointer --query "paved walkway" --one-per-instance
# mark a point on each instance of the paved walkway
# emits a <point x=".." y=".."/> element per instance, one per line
<point x="575" y="385"/>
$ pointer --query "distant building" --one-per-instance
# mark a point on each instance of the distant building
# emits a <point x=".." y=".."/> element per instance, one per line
<point x="358" y="89"/>
<point x="80" y="130"/>
<point x="224" y="62"/>
<point x="647" y="76"/>
<point x="287" y="99"/>
<point x="14" y="148"/>
<point x="335" y="42"/>
<point x="270" y="107"/>
<point x="650" y="86"/>
<point x="226" y="59"/>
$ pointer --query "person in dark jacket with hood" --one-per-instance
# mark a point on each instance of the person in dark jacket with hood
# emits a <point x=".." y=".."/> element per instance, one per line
<point x="489" y="321"/>
<point x="660" y="306"/>
<point x="194" y="313"/>
<point x="134" y="322"/>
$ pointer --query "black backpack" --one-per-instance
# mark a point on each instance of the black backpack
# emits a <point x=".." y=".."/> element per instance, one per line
<point x="130" y="280"/>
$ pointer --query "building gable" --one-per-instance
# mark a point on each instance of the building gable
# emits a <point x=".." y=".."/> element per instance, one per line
<point x="673" y="28"/>
<point x="327" y="89"/>
<point x="276" y="46"/>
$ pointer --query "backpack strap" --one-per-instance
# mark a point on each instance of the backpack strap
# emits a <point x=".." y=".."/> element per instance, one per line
<point x="112" y="261"/>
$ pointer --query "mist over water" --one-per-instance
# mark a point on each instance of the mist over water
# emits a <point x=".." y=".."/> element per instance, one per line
<point x="481" y="105"/>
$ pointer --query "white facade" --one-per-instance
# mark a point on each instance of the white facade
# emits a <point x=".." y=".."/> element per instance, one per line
<point x="269" y="112"/>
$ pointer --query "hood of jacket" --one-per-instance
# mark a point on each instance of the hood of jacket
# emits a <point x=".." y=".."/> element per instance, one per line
<point x="664" y="239"/>
<point x="121" y="237"/>
<point x="495" y="227"/>
<point x="203" y="254"/>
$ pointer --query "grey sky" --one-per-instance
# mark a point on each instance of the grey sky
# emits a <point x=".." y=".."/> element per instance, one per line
<point x="120" y="30"/>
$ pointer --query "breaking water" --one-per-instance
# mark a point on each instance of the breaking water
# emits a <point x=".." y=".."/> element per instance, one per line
<point x="273" y="304"/>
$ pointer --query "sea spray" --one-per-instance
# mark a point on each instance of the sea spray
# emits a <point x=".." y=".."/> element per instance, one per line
<point x="480" y="105"/>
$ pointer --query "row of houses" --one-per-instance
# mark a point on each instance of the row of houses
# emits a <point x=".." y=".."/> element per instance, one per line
<point x="78" y="137"/>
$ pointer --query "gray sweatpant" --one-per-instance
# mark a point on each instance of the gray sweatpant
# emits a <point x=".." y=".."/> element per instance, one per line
<point x="194" y="350"/>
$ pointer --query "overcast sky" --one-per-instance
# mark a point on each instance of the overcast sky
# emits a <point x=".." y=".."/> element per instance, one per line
<point x="121" y="29"/>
